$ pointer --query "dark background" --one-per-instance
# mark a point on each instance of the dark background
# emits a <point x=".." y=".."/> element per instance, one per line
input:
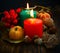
<point x="54" y="4"/>
<point x="7" y="4"/>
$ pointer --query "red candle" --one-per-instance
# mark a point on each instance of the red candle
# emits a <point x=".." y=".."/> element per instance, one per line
<point x="32" y="27"/>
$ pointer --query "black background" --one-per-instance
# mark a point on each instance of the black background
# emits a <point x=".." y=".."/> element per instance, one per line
<point x="54" y="4"/>
<point x="8" y="4"/>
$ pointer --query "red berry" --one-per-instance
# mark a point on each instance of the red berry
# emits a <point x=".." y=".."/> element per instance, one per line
<point x="7" y="16"/>
<point x="11" y="14"/>
<point x="14" y="16"/>
<point x="5" y="12"/>
<point x="3" y="19"/>
<point x="7" y="25"/>
<point x="18" y="10"/>
<point x="15" y="21"/>
<point x="8" y="20"/>
<point x="12" y="11"/>
<point x="12" y="26"/>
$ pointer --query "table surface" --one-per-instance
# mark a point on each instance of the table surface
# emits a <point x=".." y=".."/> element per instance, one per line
<point x="7" y="47"/>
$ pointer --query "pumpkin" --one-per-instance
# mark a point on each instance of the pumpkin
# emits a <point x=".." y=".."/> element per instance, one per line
<point x="43" y="15"/>
<point x="16" y="33"/>
<point x="46" y="18"/>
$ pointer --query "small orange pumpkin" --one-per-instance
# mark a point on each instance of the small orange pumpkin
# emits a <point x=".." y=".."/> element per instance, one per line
<point x="46" y="18"/>
<point x="42" y="15"/>
<point x="16" y="33"/>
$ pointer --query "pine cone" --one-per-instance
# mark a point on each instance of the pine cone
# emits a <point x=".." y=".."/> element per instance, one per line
<point x="52" y="30"/>
<point x="48" y="22"/>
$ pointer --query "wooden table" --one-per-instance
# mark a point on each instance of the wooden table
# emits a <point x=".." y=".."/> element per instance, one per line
<point x="7" y="47"/>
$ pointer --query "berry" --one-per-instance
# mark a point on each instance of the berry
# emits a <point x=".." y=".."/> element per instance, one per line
<point x="5" y="12"/>
<point x="15" y="21"/>
<point x="15" y="16"/>
<point x="7" y="16"/>
<point x="7" y="25"/>
<point x="3" y="19"/>
<point x="18" y="10"/>
<point x="8" y="21"/>
<point x="12" y="11"/>
<point x="11" y="26"/>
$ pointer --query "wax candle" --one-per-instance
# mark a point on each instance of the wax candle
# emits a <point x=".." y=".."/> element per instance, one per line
<point x="24" y="14"/>
<point x="33" y="26"/>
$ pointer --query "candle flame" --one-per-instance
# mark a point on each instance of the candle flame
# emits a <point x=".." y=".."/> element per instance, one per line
<point x="27" y="5"/>
<point x="31" y="13"/>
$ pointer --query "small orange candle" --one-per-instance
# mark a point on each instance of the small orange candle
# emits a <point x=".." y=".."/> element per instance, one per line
<point x="33" y="26"/>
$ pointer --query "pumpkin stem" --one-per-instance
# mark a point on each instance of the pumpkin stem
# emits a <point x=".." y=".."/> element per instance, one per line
<point x="42" y="10"/>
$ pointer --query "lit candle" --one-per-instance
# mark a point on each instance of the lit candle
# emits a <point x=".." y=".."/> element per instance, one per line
<point x="33" y="26"/>
<point x="24" y="14"/>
